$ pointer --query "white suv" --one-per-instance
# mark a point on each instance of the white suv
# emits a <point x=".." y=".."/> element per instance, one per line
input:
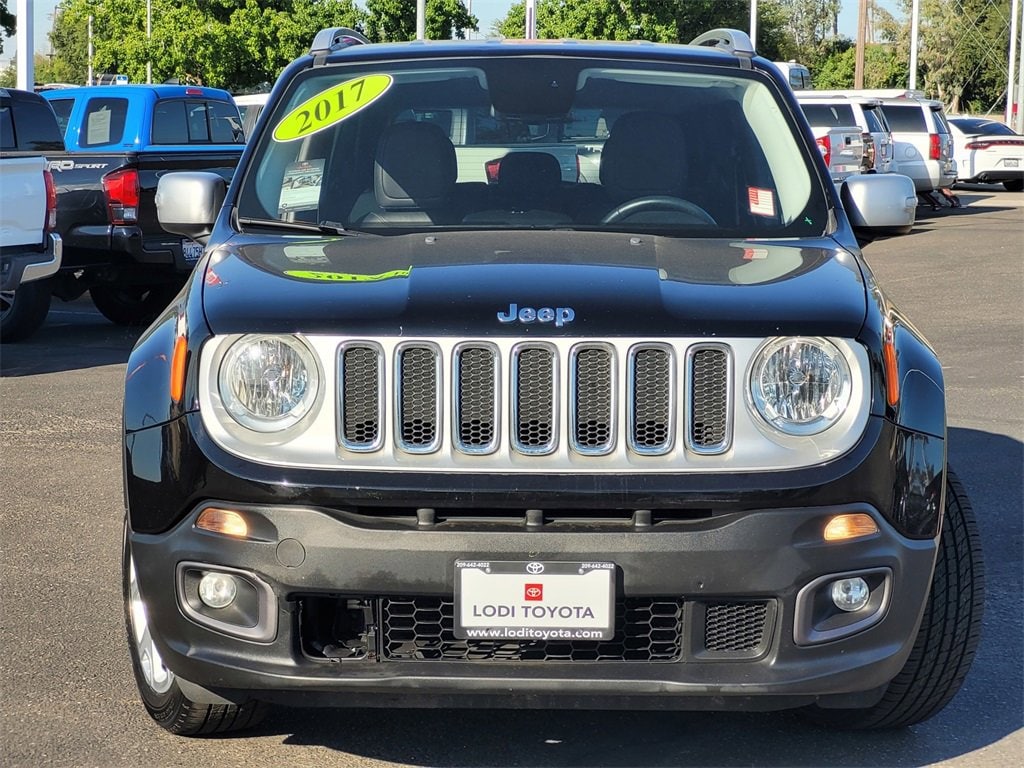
<point x="831" y="110"/>
<point x="923" y="141"/>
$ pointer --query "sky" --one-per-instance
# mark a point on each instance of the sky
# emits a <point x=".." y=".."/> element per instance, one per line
<point x="487" y="11"/>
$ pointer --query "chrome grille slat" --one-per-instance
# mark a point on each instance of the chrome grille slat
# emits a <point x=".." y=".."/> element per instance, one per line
<point x="708" y="378"/>
<point x="418" y="399"/>
<point x="651" y="400"/>
<point x="592" y="387"/>
<point x="534" y="392"/>
<point x="476" y="398"/>
<point x="361" y="373"/>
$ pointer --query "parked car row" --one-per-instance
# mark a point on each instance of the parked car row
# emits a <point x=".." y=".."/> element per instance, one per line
<point x="903" y="132"/>
<point x="117" y="143"/>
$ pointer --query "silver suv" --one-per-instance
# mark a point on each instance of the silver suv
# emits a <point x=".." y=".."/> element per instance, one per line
<point x="923" y="141"/>
<point x="833" y="110"/>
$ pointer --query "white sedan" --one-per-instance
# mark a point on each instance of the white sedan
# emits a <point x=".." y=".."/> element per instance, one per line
<point x="988" y="152"/>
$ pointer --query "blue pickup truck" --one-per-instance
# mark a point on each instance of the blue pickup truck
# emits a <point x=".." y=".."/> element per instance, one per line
<point x="120" y="140"/>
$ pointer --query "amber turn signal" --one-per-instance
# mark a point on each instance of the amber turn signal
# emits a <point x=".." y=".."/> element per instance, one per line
<point x="224" y="521"/>
<point x="178" y="358"/>
<point x="850" y="526"/>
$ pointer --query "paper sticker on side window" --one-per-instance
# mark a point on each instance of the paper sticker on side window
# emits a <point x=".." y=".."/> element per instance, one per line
<point x="331" y="106"/>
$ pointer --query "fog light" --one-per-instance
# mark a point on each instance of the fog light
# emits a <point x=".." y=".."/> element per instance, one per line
<point x="217" y="590"/>
<point x="850" y="594"/>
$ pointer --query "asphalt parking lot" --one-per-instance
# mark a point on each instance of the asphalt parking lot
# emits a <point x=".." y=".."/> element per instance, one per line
<point x="69" y="699"/>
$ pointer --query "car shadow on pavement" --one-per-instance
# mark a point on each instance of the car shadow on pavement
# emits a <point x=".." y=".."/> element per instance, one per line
<point x="987" y="709"/>
<point x="66" y="346"/>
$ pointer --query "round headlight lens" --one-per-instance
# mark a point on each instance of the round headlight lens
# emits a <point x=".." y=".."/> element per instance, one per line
<point x="800" y="386"/>
<point x="268" y="383"/>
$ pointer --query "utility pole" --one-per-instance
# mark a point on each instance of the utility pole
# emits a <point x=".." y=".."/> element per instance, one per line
<point x="753" y="23"/>
<point x="421" y="19"/>
<point x="149" y="41"/>
<point x="862" y="24"/>
<point x="25" y="58"/>
<point x="90" y="81"/>
<point x="1010" y="74"/>
<point x="915" y="13"/>
<point x="531" y="19"/>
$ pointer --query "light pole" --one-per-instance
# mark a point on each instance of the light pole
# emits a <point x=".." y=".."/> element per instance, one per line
<point x="149" y="38"/>
<point x="90" y="81"/>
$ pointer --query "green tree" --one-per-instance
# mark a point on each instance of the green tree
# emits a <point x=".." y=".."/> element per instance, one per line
<point x="233" y="44"/>
<point x="962" y="52"/>
<point x="395" y="20"/>
<point x="665" y="21"/>
<point x="41" y="65"/>
<point x="883" y="68"/>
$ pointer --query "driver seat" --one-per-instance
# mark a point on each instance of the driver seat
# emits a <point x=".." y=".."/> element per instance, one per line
<point x="644" y="155"/>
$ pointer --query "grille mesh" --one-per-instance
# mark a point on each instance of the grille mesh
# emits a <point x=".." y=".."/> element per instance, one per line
<point x="735" y="626"/>
<point x="652" y="400"/>
<point x="418" y="399"/>
<point x="420" y="629"/>
<point x="360" y="396"/>
<point x="535" y="408"/>
<point x="477" y="404"/>
<point x="709" y="399"/>
<point x="593" y="406"/>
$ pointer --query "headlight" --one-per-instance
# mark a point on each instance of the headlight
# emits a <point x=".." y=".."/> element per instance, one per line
<point x="799" y="385"/>
<point x="268" y="383"/>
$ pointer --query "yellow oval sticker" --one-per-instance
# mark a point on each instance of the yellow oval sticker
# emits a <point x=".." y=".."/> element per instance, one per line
<point x="331" y="106"/>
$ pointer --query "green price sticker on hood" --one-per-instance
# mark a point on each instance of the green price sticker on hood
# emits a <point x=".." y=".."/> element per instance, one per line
<point x="331" y="106"/>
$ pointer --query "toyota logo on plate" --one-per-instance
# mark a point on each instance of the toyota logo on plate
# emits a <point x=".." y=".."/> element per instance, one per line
<point x="535" y="568"/>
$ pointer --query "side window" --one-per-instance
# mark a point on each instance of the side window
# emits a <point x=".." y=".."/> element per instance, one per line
<point x="104" y="122"/>
<point x="940" y="121"/>
<point x="905" y="118"/>
<point x="6" y="126"/>
<point x="37" y="128"/>
<point x="225" y="124"/>
<point x="169" y="124"/>
<point x="62" y="108"/>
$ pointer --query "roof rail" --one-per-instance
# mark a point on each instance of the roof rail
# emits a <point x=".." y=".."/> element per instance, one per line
<point x="335" y="38"/>
<point x="734" y="41"/>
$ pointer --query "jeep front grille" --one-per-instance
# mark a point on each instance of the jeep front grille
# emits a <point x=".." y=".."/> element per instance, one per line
<point x="575" y="398"/>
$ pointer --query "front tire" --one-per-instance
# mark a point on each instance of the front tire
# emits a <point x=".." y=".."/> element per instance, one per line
<point x="158" y="686"/>
<point x="1014" y="185"/>
<point x="24" y="310"/>
<point x="947" y="638"/>
<point x="131" y="304"/>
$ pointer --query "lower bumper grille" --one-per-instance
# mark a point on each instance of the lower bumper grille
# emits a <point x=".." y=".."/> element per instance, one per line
<point x="420" y="629"/>
<point x="647" y="629"/>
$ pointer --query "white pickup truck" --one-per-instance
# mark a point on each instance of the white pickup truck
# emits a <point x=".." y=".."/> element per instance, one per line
<point x="29" y="248"/>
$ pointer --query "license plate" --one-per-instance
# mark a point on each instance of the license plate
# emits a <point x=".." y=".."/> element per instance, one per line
<point x="533" y="600"/>
<point x="1011" y="162"/>
<point x="191" y="250"/>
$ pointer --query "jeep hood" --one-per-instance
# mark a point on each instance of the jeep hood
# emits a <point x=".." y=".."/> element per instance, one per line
<point x="531" y="283"/>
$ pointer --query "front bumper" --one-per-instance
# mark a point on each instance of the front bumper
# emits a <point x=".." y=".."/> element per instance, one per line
<point x="23" y="266"/>
<point x="378" y="584"/>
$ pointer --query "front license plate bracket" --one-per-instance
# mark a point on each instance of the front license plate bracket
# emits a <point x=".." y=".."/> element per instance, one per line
<point x="530" y="600"/>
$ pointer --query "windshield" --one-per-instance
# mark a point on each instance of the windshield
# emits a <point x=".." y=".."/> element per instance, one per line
<point x="534" y="142"/>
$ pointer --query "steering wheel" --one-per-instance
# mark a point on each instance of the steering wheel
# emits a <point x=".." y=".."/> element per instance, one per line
<point x="658" y="202"/>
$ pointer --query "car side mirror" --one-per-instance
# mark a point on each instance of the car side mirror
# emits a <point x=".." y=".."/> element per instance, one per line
<point x="188" y="202"/>
<point x="879" y="204"/>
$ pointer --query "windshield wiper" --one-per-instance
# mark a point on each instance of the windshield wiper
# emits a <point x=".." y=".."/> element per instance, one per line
<point x="324" y="227"/>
